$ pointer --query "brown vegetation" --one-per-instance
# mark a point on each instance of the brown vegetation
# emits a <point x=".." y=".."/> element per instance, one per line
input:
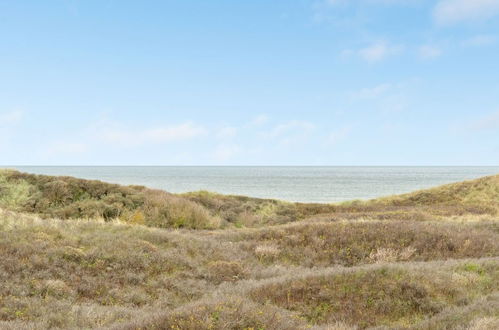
<point x="350" y="243"/>
<point x="135" y="258"/>
<point x="67" y="197"/>
<point x="387" y="295"/>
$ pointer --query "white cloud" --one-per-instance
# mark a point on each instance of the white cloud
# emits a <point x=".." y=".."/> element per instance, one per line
<point x="294" y="126"/>
<point x="448" y="12"/>
<point x="480" y="40"/>
<point x="129" y="137"/>
<point x="10" y="118"/>
<point x="371" y="92"/>
<point x="386" y="97"/>
<point x="428" y="52"/>
<point x="375" y="52"/>
<point x="295" y="131"/>
<point x="349" y="14"/>
<point x="260" y="120"/>
<point x="226" y="132"/>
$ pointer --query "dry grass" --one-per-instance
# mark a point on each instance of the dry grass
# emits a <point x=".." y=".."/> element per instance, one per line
<point x="480" y="196"/>
<point x="386" y="295"/>
<point x="109" y="266"/>
<point x="71" y="198"/>
<point x="351" y="243"/>
<point x="231" y="312"/>
<point x="135" y="258"/>
<point x="67" y="197"/>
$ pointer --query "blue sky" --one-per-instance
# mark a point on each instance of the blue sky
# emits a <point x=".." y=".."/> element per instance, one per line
<point x="302" y="82"/>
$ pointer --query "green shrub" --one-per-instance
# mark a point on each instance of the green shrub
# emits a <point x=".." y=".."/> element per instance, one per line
<point x="67" y="197"/>
<point x="386" y="296"/>
<point x="13" y="194"/>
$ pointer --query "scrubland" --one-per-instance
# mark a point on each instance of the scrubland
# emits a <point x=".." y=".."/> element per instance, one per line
<point x="86" y="254"/>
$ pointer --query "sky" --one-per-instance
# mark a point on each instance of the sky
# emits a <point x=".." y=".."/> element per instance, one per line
<point x="224" y="82"/>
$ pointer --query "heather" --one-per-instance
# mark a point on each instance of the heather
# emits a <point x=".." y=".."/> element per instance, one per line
<point x="87" y="254"/>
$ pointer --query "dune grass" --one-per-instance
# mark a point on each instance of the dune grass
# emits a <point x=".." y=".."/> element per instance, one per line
<point x="87" y="254"/>
<point x="387" y="295"/>
<point x="71" y="198"/>
<point x="352" y="243"/>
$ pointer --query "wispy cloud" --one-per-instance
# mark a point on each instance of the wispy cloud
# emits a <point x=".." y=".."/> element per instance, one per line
<point x="379" y="51"/>
<point x="385" y="97"/>
<point x="350" y="13"/>
<point x="294" y="131"/>
<point x="428" y="52"/>
<point x="260" y="120"/>
<point x="226" y="132"/>
<point x="293" y="126"/>
<point x="370" y="92"/>
<point x="375" y="52"/>
<point x="447" y="12"/>
<point x="480" y="40"/>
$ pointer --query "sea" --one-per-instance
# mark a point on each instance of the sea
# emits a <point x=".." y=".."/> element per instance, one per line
<point x="298" y="184"/>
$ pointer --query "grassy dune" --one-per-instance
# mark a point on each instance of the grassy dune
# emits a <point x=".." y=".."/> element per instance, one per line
<point x="87" y="254"/>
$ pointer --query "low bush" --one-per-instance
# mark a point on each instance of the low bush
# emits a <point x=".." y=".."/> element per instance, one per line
<point x="67" y="197"/>
<point x="227" y="313"/>
<point x="427" y="260"/>
<point x="383" y="296"/>
<point x="352" y="243"/>
<point x="246" y="211"/>
<point x="225" y="271"/>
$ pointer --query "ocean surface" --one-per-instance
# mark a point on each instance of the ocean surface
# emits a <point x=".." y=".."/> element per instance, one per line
<point x="300" y="184"/>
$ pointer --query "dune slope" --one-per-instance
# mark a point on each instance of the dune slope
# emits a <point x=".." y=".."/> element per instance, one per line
<point x="423" y="260"/>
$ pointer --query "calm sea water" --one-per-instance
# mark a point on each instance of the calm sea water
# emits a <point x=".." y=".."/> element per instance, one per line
<point x="303" y="184"/>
